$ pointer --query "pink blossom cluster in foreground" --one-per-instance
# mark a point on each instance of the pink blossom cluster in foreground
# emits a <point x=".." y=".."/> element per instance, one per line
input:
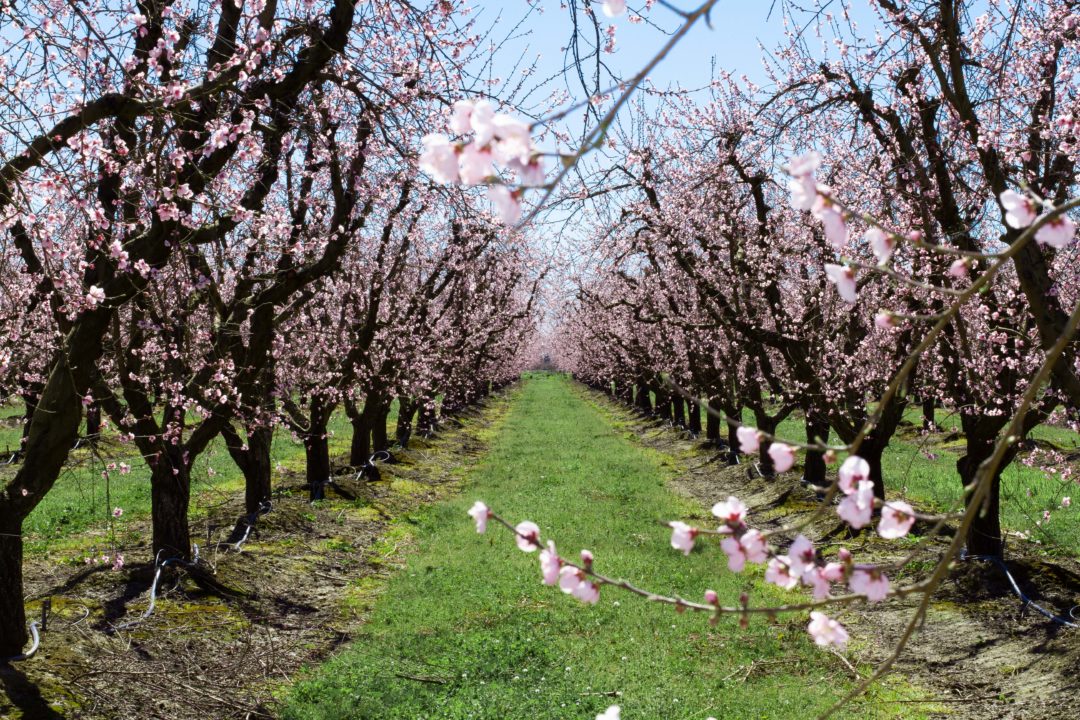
<point x="489" y="139"/>
<point x="801" y="564"/>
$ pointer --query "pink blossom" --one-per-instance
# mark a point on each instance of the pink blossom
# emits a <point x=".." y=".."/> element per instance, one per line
<point x="959" y="268"/>
<point x="118" y="562"/>
<point x="834" y="571"/>
<point x="1057" y="232"/>
<point x="506" y="204"/>
<point x="1020" y="210"/>
<point x="754" y="546"/>
<point x="682" y="536"/>
<point x="835" y="227"/>
<point x="482" y="121"/>
<point x="844" y="278"/>
<point x="885" y="320"/>
<point x="881" y="243"/>
<point x="814" y="577"/>
<point x="117" y="512"/>
<point x="613" y="8"/>
<point x="459" y="119"/>
<point x="1066" y="501"/>
<point x="749" y="439"/>
<point x="783" y="456"/>
<point x="801" y="555"/>
<point x="803" y="192"/>
<point x="871" y="583"/>
<point x="805" y="164"/>
<point x="735" y="553"/>
<point x="439" y="158"/>
<point x="480" y="513"/>
<point x="574" y="582"/>
<point x="168" y="211"/>
<point x="527" y="535"/>
<point x="530" y="173"/>
<point x="852" y="472"/>
<point x="711" y="597"/>
<point x="550" y="564"/>
<point x="474" y="164"/>
<point x="897" y="517"/>
<point x="827" y="631"/>
<point x="514" y="139"/>
<point x="95" y="296"/>
<point x="857" y="508"/>
<point x="732" y="511"/>
<point x="778" y="572"/>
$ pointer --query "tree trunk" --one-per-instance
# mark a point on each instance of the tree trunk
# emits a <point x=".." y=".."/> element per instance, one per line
<point x="643" y="398"/>
<point x="426" y="421"/>
<point x="257" y="476"/>
<point x="170" y="494"/>
<point x="406" y="412"/>
<point x="693" y="416"/>
<point x="678" y="411"/>
<point x="317" y="456"/>
<point x="872" y="450"/>
<point x="379" y="438"/>
<point x="817" y="430"/>
<point x="663" y="409"/>
<point x="712" y="421"/>
<point x="360" y="447"/>
<point x="929" y="421"/>
<point x="93" y="422"/>
<point x="984" y="536"/>
<point x="766" y="425"/>
<point x="12" y="610"/>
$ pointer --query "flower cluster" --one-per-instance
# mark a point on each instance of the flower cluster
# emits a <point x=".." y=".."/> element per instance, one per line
<point x="497" y="139"/>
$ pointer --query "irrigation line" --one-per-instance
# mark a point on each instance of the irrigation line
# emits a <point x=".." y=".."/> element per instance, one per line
<point x="159" y="566"/>
<point x="1059" y="619"/>
<point x="33" y="648"/>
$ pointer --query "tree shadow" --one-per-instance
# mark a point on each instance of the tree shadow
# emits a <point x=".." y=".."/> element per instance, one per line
<point x="26" y="695"/>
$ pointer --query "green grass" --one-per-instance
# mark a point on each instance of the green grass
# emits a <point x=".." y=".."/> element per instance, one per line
<point x="75" y="517"/>
<point x="468" y="631"/>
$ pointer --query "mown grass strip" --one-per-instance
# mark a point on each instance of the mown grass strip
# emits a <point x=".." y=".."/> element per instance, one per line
<point x="468" y="631"/>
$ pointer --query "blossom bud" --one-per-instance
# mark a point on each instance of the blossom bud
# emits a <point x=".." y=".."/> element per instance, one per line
<point x="711" y="597"/>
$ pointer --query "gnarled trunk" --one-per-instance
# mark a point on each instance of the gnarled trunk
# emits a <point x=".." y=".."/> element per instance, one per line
<point x="170" y="495"/>
<point x="12" y="611"/>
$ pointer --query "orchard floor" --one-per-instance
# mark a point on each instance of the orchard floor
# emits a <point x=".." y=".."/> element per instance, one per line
<point x="387" y="604"/>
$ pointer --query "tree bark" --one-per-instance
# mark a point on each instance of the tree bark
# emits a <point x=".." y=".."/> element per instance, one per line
<point x="317" y="465"/>
<point x="678" y="411"/>
<point x="257" y="477"/>
<point x="93" y="422"/>
<point x="379" y="437"/>
<point x="817" y="430"/>
<point x="170" y="494"/>
<point x="693" y="416"/>
<point x="406" y="412"/>
<point x="12" y="611"/>
<point x="984" y="536"/>
<point x="712" y="421"/>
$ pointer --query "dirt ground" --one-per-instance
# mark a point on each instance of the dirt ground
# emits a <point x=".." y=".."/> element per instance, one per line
<point x="297" y="589"/>
<point x="979" y="654"/>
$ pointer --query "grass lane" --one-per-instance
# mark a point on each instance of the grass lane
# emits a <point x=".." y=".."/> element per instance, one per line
<point x="468" y="631"/>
